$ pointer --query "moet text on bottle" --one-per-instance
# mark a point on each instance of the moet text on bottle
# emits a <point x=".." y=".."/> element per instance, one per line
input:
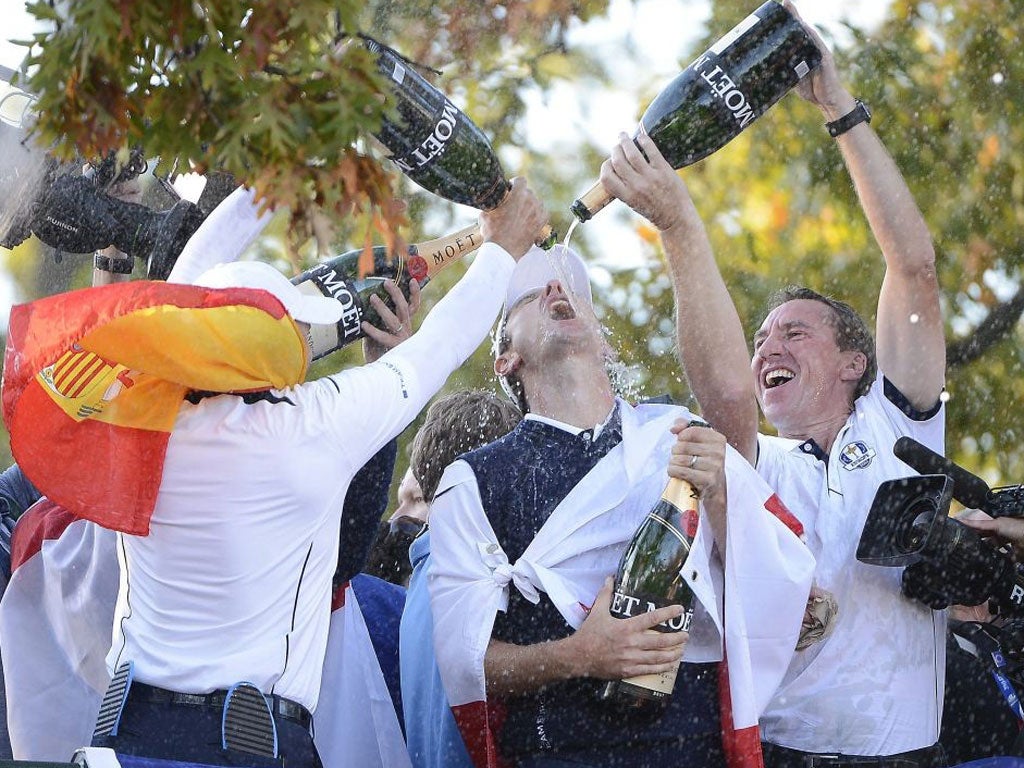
<point x="625" y="606"/>
<point x="435" y="144"/>
<point x="455" y="249"/>
<point x="724" y="87"/>
<point x="340" y="289"/>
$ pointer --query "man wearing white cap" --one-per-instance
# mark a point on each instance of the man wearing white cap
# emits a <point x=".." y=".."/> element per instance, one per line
<point x="527" y="531"/>
<point x="228" y="596"/>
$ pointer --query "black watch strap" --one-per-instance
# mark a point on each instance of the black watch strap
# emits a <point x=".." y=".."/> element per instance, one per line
<point x="115" y="265"/>
<point x="859" y="114"/>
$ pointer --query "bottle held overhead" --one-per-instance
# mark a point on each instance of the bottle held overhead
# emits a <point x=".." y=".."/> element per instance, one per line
<point x="722" y="92"/>
<point x="339" y="279"/>
<point x="435" y="143"/>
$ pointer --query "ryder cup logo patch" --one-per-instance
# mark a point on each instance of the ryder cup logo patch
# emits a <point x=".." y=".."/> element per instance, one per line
<point x="856" y="455"/>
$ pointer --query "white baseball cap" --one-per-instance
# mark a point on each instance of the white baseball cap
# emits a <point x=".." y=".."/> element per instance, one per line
<point x="539" y="267"/>
<point x="304" y="308"/>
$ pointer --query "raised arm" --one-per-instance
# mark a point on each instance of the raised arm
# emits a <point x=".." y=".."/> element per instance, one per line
<point x="709" y="335"/>
<point x="222" y="237"/>
<point x="909" y="335"/>
<point x="406" y="377"/>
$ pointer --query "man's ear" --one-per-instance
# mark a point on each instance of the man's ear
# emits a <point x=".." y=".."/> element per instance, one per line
<point x="507" y="363"/>
<point x="855" y="365"/>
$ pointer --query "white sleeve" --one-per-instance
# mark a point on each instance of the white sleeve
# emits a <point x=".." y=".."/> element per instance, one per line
<point x="222" y="237"/>
<point x="459" y="322"/>
<point x="467" y="579"/>
<point x="366" y="406"/>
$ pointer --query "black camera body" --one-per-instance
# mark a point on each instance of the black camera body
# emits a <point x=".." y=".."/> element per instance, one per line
<point x="946" y="562"/>
<point x="74" y="213"/>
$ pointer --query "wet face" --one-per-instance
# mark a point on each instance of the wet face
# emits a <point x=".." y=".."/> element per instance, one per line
<point x="801" y="376"/>
<point x="547" y="322"/>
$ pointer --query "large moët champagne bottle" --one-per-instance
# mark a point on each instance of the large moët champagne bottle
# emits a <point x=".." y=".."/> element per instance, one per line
<point x="435" y="143"/>
<point x="339" y="278"/>
<point x="728" y="87"/>
<point x="650" y="576"/>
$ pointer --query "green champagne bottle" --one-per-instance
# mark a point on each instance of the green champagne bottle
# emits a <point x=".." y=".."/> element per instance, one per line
<point x="339" y="278"/>
<point x="650" y="576"/>
<point x="717" y="96"/>
<point x="435" y="143"/>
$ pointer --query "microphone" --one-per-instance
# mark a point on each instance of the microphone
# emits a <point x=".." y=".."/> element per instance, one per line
<point x="969" y="489"/>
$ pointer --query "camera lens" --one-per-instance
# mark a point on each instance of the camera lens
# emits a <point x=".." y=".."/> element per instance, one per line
<point x="912" y="530"/>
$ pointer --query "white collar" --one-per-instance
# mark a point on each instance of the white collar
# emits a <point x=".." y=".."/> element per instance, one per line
<point x="572" y="430"/>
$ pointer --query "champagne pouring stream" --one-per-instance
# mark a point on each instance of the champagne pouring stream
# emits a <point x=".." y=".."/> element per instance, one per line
<point x="556" y="259"/>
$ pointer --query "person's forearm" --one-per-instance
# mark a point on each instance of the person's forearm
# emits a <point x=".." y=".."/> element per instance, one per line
<point x="895" y="220"/>
<point x="910" y="338"/>
<point x="709" y="337"/>
<point x="456" y="325"/>
<point x="222" y="237"/>
<point x="515" y="670"/>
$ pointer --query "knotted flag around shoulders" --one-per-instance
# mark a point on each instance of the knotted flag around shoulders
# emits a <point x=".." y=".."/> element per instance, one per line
<point x="748" y="609"/>
<point x="93" y="380"/>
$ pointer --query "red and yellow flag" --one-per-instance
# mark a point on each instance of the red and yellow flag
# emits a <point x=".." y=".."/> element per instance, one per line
<point x="93" y="380"/>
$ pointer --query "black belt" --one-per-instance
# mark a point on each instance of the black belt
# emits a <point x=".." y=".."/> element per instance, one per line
<point x="783" y="757"/>
<point x="279" y="706"/>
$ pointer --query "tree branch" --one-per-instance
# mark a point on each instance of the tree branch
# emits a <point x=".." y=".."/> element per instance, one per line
<point x="999" y="323"/>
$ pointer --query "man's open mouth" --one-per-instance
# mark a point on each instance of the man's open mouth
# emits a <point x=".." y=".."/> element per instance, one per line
<point x="561" y="309"/>
<point x="776" y="377"/>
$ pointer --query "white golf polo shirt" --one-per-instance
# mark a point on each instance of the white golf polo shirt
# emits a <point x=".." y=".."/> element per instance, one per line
<point x="875" y="685"/>
<point x="233" y="581"/>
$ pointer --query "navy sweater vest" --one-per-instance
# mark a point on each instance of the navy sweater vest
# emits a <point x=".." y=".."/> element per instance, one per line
<point x="522" y="477"/>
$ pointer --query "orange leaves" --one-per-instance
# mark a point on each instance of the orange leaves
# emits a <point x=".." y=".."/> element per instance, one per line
<point x="989" y="152"/>
<point x="647" y="233"/>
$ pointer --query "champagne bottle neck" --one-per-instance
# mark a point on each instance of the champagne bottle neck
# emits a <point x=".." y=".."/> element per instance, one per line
<point x="428" y="258"/>
<point x="590" y="202"/>
<point x="681" y="495"/>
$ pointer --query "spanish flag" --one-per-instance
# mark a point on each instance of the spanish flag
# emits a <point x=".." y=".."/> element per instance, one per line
<point x="93" y="380"/>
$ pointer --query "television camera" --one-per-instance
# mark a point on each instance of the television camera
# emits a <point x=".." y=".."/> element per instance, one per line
<point x="74" y="212"/>
<point x="946" y="562"/>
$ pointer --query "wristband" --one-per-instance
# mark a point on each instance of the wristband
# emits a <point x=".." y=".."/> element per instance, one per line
<point x="859" y="114"/>
<point x="115" y="265"/>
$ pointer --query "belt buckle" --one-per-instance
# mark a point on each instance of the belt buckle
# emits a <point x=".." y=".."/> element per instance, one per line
<point x="823" y="761"/>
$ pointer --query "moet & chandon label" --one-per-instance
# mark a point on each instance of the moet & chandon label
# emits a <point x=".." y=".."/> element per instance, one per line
<point x="340" y="289"/>
<point x="435" y="144"/>
<point x="625" y="606"/>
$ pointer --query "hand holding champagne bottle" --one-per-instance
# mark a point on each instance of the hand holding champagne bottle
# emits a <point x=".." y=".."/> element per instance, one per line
<point x="823" y="87"/>
<point x="724" y="90"/>
<point x="339" y="278"/>
<point x="650" y="574"/>
<point x="435" y="143"/>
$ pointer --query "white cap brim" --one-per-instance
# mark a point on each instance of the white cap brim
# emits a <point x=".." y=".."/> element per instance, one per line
<point x="539" y="267"/>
